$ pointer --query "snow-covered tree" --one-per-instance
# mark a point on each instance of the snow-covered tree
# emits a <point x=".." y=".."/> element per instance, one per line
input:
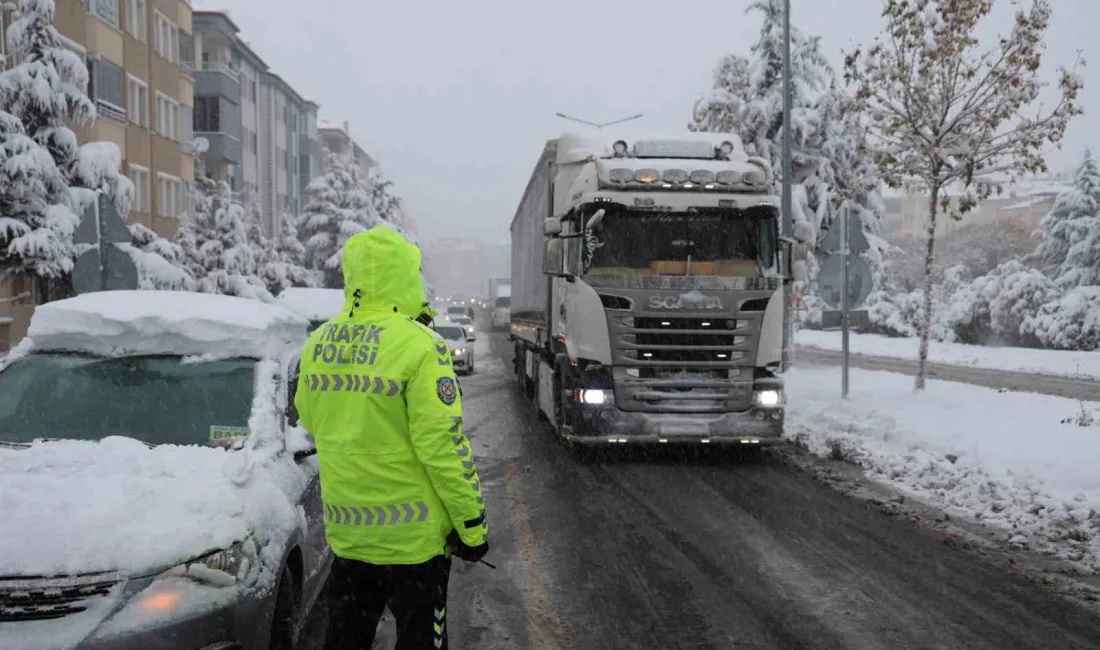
<point x="216" y="247"/>
<point x="279" y="259"/>
<point x="46" y="89"/>
<point x="1069" y="220"/>
<point x="36" y="221"/>
<point x="720" y="110"/>
<point x="762" y="118"/>
<point x="940" y="111"/>
<point x="97" y="167"/>
<point x="339" y="205"/>
<point x="160" y="262"/>
<point x="292" y="254"/>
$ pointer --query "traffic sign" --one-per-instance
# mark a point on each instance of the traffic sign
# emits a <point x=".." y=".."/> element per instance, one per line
<point x="830" y="278"/>
<point x="833" y="243"/>
<point x="104" y="266"/>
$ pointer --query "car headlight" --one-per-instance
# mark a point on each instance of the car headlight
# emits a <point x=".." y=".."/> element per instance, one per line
<point x="458" y="352"/>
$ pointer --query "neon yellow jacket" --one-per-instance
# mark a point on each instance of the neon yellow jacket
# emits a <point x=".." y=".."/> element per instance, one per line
<point x="378" y="392"/>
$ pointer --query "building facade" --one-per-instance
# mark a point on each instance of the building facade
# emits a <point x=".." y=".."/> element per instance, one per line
<point x="260" y="135"/>
<point x="337" y="139"/>
<point x="143" y="94"/>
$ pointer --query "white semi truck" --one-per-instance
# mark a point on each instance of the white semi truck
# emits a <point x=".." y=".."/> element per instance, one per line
<point x="648" y="300"/>
<point x="500" y="301"/>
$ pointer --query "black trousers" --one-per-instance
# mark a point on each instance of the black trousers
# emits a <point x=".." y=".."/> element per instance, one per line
<point x="415" y="593"/>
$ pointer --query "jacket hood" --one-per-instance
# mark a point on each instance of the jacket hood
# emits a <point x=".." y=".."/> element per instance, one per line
<point x="384" y="268"/>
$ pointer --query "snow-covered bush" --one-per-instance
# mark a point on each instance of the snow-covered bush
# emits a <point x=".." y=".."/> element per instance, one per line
<point x="216" y="248"/>
<point x="339" y="205"/>
<point x="1071" y="322"/>
<point x="895" y="314"/>
<point x="279" y="260"/>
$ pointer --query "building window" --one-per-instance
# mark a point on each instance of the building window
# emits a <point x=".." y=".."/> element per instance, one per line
<point x="139" y="102"/>
<point x="105" y="87"/>
<point x="140" y="177"/>
<point x="166" y="37"/>
<point x="135" y="19"/>
<point x="183" y="123"/>
<point x="207" y="114"/>
<point x="171" y="194"/>
<point x="255" y="143"/>
<point x="105" y="9"/>
<point x="167" y="116"/>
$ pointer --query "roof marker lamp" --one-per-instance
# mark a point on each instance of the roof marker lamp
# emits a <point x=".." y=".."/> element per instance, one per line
<point x="725" y="150"/>
<point x="621" y="175"/>
<point x="620" y="148"/>
<point x="646" y="176"/>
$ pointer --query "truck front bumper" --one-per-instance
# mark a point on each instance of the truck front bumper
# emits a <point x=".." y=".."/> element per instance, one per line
<point x="606" y="424"/>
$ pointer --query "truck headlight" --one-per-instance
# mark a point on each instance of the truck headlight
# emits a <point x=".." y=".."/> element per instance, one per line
<point x="767" y="398"/>
<point x="590" y="396"/>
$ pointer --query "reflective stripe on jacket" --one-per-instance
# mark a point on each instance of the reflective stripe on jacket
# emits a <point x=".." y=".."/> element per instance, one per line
<point x="378" y="392"/>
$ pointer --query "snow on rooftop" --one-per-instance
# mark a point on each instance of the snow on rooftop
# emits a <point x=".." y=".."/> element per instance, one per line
<point x="312" y="304"/>
<point x="165" y="322"/>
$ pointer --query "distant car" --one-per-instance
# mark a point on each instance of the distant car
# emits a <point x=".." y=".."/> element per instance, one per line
<point x="151" y="493"/>
<point x="466" y="323"/>
<point x="315" y="305"/>
<point x="460" y="311"/>
<point x="460" y="341"/>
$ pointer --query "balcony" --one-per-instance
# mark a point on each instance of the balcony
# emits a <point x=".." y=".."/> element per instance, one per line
<point x="222" y="147"/>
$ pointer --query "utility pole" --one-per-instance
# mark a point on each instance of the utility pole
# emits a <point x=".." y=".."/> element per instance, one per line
<point x="787" y="358"/>
<point x="595" y="124"/>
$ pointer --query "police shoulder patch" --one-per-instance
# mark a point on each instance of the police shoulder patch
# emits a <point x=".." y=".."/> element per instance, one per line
<point x="446" y="389"/>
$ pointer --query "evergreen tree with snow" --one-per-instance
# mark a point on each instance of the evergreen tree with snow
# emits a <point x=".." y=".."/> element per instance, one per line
<point x="762" y="117"/>
<point x="720" y="110"/>
<point x="339" y="205"/>
<point x="160" y="262"/>
<point x="292" y="255"/>
<point x="216" y="246"/>
<point x="97" y="167"/>
<point x="46" y="90"/>
<point x="36" y="221"/>
<point x="1067" y="235"/>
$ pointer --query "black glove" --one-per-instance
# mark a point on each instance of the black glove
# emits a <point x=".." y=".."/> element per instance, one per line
<point x="464" y="551"/>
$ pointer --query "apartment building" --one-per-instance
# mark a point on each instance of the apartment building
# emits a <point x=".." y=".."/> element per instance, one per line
<point x="143" y="96"/>
<point x="337" y="139"/>
<point x="261" y="135"/>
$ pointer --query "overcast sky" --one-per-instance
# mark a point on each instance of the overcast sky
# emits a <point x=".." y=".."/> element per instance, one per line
<point x="456" y="99"/>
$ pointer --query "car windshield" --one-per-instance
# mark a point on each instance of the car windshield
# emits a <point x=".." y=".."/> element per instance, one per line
<point x="726" y="242"/>
<point x="154" y="399"/>
<point x="450" y="332"/>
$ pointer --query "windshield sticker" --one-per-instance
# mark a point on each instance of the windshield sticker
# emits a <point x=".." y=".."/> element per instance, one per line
<point x="445" y="388"/>
<point x="218" y="433"/>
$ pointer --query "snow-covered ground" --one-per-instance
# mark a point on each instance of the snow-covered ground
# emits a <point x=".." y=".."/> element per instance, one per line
<point x="1023" y="462"/>
<point x="1049" y="362"/>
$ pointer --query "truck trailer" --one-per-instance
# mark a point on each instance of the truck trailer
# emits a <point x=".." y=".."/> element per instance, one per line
<point x="649" y="284"/>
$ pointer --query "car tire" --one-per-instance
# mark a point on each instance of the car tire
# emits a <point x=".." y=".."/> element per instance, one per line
<point x="284" y="622"/>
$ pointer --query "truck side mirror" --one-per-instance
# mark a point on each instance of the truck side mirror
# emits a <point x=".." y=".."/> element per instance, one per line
<point x="552" y="227"/>
<point x="553" y="261"/>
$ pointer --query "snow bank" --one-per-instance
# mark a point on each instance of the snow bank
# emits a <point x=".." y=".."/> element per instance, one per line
<point x="1002" y="458"/>
<point x="1050" y="362"/>
<point x="165" y="322"/>
<point x="75" y="507"/>
<point x="312" y="304"/>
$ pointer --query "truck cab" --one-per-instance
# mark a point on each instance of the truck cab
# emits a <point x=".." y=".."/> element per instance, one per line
<point x="665" y="275"/>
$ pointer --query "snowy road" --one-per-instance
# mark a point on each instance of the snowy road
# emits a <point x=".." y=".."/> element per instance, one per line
<point x="1027" y="382"/>
<point x="661" y="553"/>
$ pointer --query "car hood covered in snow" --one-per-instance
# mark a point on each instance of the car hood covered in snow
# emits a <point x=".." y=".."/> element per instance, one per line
<point x="74" y="507"/>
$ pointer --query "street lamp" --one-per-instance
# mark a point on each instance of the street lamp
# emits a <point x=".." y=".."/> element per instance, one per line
<point x="598" y="126"/>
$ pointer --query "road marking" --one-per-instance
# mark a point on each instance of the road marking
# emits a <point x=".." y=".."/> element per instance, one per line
<point x="544" y="628"/>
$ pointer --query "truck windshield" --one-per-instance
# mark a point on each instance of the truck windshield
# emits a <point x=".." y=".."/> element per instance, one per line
<point x="723" y="242"/>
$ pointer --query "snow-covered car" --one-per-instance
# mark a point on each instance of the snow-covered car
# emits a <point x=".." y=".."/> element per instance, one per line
<point x="461" y="343"/>
<point x="150" y="494"/>
<point x="315" y="305"/>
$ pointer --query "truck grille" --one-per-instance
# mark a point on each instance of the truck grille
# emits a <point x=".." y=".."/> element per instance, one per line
<point x="683" y="364"/>
<point x="40" y="599"/>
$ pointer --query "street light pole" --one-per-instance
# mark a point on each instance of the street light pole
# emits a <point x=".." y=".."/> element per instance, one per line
<point x="787" y="355"/>
<point x="598" y="126"/>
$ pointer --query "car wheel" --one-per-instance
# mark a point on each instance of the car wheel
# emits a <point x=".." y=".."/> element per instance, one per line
<point x="284" y="624"/>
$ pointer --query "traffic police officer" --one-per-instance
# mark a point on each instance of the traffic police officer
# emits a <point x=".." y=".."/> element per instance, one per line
<point x="401" y="494"/>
